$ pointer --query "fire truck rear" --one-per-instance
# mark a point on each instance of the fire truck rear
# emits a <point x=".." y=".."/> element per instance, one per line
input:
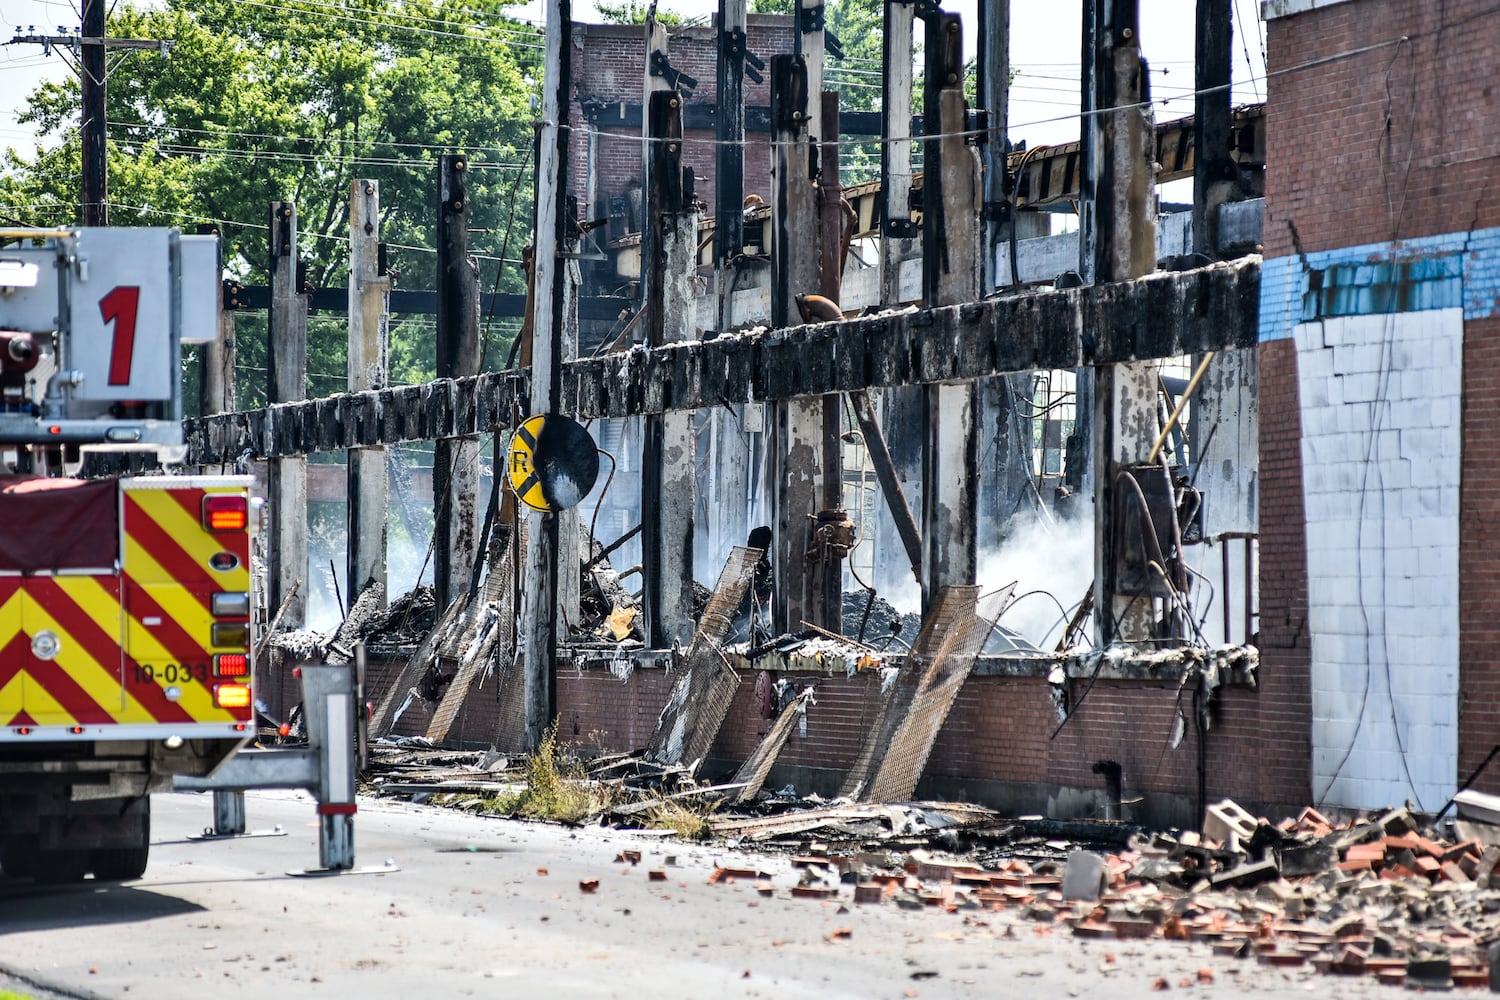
<point x="125" y="604"/>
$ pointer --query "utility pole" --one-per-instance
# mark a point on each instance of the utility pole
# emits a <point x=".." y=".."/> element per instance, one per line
<point x="85" y="55"/>
<point x="540" y="608"/>
<point x="92" y="131"/>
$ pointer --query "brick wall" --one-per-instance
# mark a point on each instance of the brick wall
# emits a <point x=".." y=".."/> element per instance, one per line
<point x="1333" y="171"/>
<point x="608" y="66"/>
<point x="1479" y="571"/>
<point x="1283" y="708"/>
<point x="1373" y="139"/>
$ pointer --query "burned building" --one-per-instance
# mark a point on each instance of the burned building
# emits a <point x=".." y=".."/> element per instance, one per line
<point x="1283" y="457"/>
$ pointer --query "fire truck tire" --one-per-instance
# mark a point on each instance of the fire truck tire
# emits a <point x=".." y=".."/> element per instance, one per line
<point x="119" y="864"/>
<point x="56" y="867"/>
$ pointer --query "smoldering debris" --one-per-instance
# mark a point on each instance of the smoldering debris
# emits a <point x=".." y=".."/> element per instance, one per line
<point x="870" y="618"/>
<point x="401" y="624"/>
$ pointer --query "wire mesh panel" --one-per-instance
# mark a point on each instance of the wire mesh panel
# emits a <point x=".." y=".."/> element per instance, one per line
<point x="701" y="697"/>
<point x="485" y="637"/>
<point x="753" y="772"/>
<point x="893" y="754"/>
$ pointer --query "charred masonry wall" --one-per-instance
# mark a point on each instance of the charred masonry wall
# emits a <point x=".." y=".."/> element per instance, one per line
<point x="1378" y="325"/>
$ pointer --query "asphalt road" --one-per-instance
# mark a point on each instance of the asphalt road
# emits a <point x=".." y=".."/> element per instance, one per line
<point x="494" y="908"/>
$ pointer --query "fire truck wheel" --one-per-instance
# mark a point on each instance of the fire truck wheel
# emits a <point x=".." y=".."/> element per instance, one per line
<point x="117" y="864"/>
<point x="53" y="867"/>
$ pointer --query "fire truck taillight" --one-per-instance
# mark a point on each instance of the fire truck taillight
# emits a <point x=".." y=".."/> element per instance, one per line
<point x="231" y="664"/>
<point x="232" y="696"/>
<point x="225" y="512"/>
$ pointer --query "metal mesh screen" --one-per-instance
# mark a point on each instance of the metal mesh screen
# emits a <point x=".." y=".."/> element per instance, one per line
<point x="753" y="772"/>
<point x="892" y="757"/>
<point x="701" y="697"/>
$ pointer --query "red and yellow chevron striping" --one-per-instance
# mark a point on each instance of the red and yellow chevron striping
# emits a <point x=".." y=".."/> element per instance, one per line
<point x="134" y="645"/>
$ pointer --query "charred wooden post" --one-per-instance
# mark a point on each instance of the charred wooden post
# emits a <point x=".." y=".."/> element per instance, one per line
<point x="890" y="483"/>
<point x="286" y="378"/>
<point x="899" y="410"/>
<point x="1215" y="173"/>
<point x="950" y="275"/>
<point x="455" y="461"/>
<point x="668" y="487"/>
<point x="727" y="488"/>
<point x="796" y="486"/>
<point x="994" y="97"/>
<point x="539" y="610"/>
<point x="1118" y="224"/>
<point x="369" y="340"/>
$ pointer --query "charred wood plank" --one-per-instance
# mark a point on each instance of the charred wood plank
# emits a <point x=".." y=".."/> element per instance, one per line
<point x="1162" y="315"/>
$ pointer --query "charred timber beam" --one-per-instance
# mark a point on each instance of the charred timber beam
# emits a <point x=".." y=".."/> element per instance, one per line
<point x="1163" y="315"/>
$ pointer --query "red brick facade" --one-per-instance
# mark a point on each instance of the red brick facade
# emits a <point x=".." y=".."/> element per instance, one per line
<point x="607" y="68"/>
<point x="1381" y="127"/>
<point x="1335" y="174"/>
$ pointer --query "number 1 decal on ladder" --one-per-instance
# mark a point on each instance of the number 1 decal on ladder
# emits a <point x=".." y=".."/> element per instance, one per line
<point x="119" y="307"/>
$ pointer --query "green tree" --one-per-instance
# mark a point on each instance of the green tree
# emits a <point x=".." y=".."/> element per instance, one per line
<point x="859" y="25"/>
<point x="634" y="12"/>
<point x="293" y="100"/>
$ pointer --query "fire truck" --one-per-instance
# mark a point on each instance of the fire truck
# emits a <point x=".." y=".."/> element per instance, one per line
<point x="125" y="603"/>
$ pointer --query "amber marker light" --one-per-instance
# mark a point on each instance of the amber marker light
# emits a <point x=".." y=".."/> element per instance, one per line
<point x="232" y="696"/>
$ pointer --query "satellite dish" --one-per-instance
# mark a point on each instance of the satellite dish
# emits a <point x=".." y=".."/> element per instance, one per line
<point x="553" y="462"/>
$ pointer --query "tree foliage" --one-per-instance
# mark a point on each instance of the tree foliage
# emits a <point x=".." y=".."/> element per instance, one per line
<point x="293" y="100"/>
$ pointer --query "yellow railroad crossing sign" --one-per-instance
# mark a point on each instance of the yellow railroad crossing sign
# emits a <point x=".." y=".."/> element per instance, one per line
<point x="553" y="462"/>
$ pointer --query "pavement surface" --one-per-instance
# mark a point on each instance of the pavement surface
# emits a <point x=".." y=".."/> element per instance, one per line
<point x="490" y="907"/>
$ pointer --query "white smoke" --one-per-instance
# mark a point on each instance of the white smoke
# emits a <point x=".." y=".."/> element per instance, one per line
<point x="1056" y="558"/>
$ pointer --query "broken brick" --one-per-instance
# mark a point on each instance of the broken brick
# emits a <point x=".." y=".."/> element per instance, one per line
<point x="813" y="892"/>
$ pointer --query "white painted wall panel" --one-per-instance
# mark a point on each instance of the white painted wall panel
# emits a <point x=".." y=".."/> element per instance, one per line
<point x="1381" y="443"/>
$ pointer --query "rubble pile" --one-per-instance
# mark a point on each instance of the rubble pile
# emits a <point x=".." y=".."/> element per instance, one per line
<point x="405" y="621"/>
<point x="1379" y="896"/>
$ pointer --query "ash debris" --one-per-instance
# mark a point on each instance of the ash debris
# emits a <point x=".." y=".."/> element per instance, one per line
<point x="405" y="622"/>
